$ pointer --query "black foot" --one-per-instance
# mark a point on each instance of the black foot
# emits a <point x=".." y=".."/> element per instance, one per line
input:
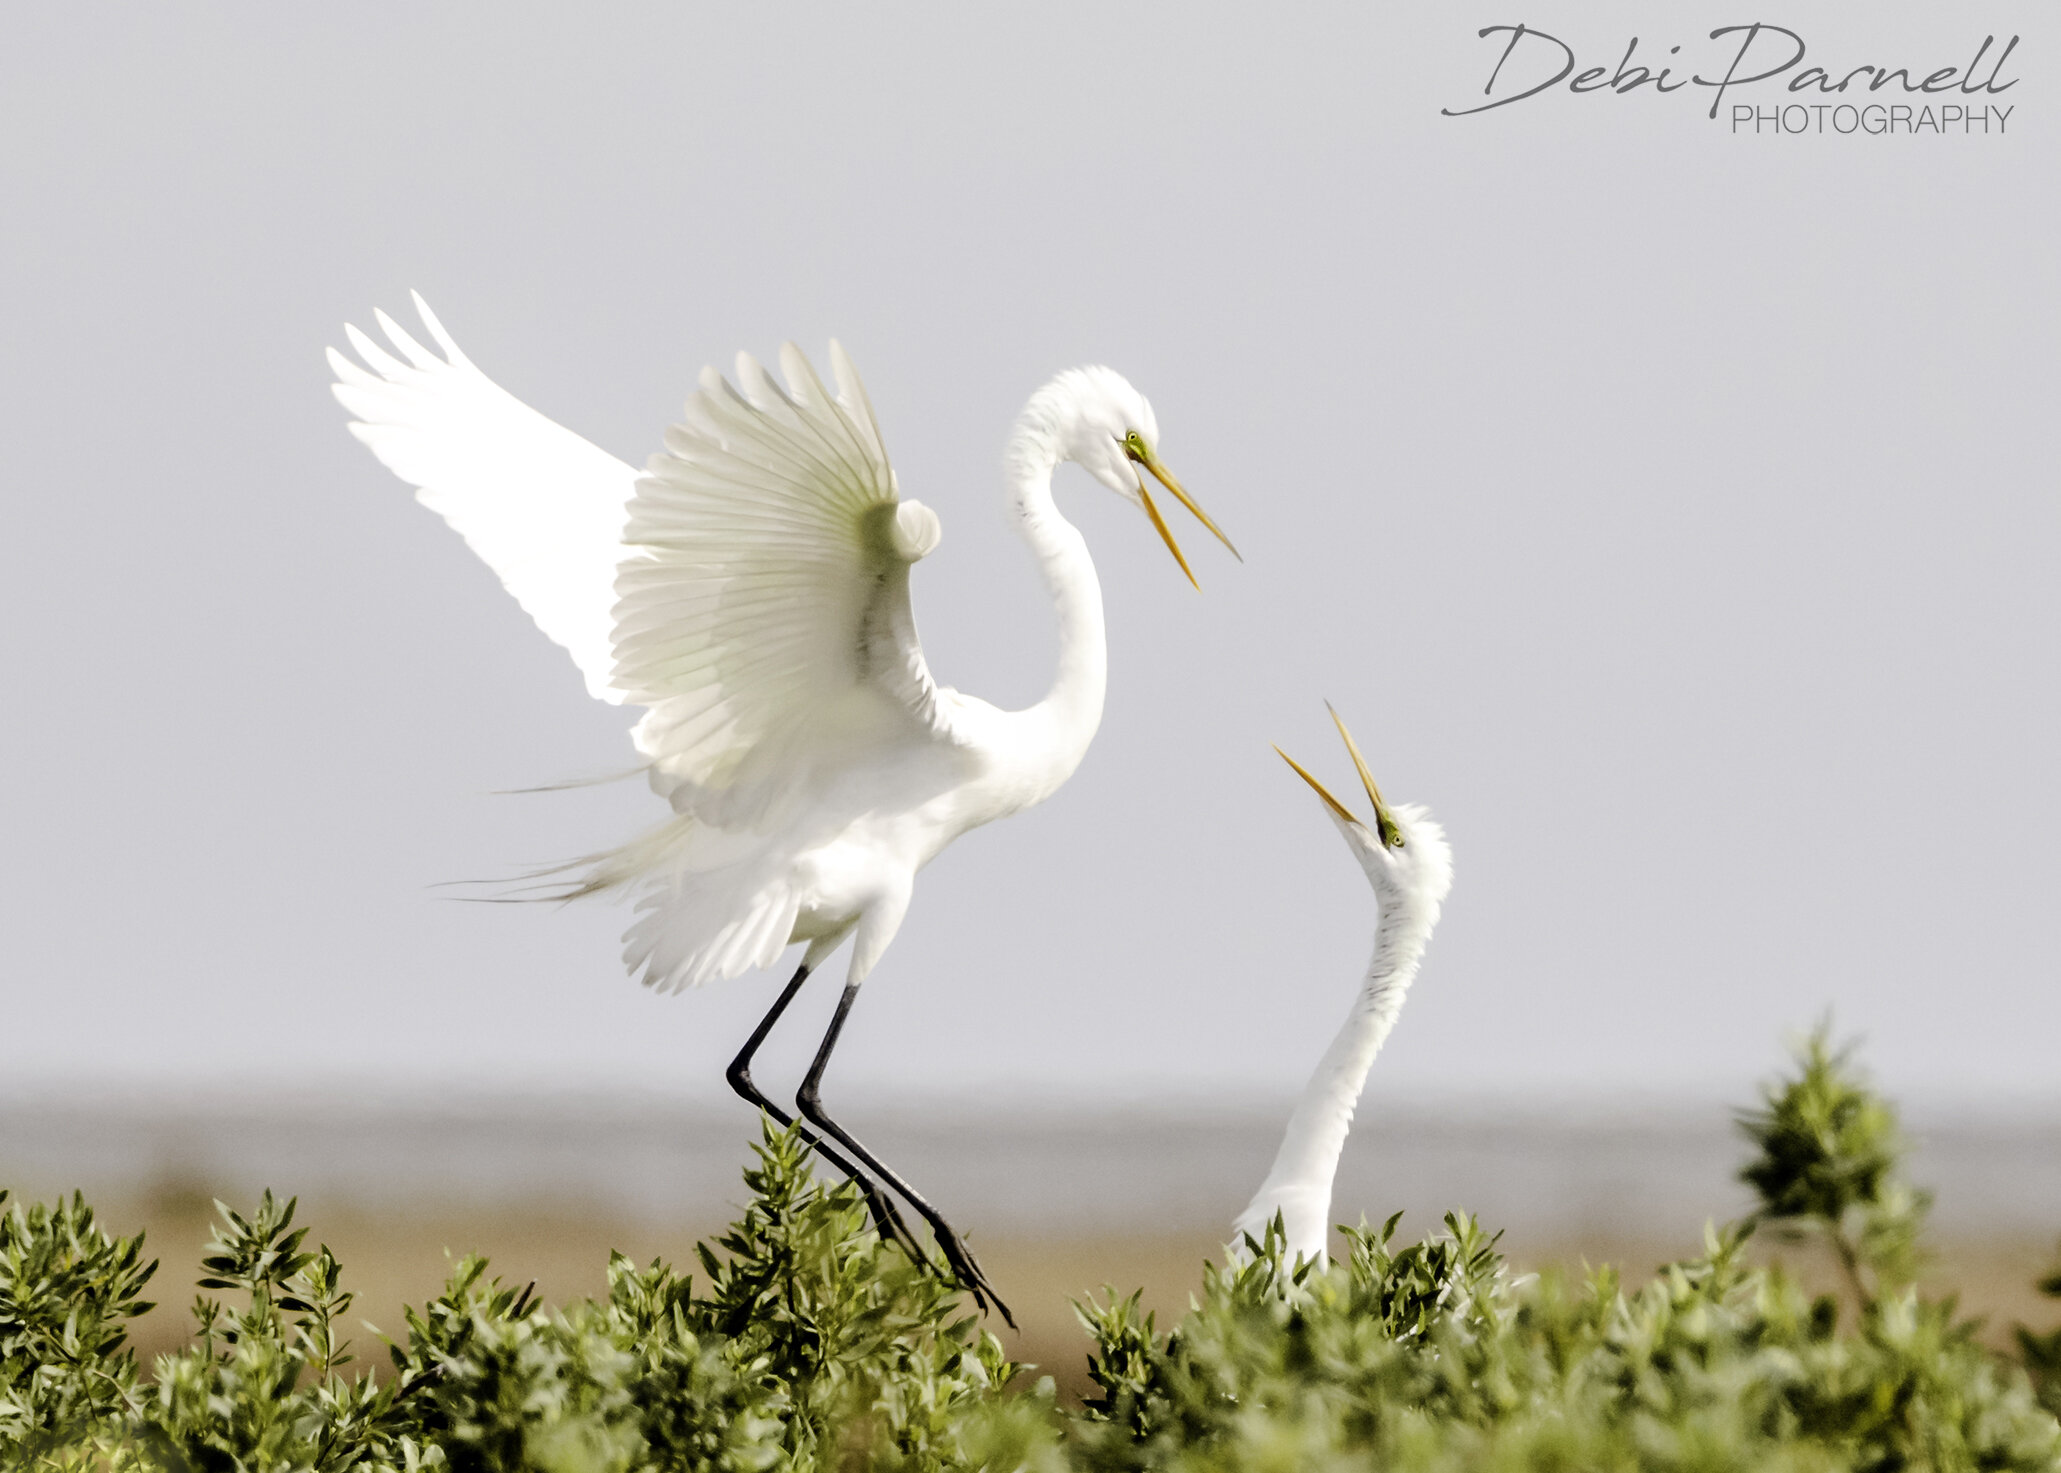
<point x="965" y="1269"/>
<point x="968" y="1271"/>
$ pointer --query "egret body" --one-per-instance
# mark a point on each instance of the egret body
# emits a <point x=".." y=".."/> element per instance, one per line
<point x="750" y="590"/>
<point x="1408" y="862"/>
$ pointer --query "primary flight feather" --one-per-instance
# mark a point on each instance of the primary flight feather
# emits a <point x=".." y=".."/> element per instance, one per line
<point x="750" y="590"/>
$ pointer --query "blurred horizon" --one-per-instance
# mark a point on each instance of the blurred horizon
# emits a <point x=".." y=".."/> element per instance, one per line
<point x="1552" y="1168"/>
<point x="465" y="1093"/>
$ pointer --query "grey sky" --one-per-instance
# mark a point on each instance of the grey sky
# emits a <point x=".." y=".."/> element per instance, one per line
<point x="1672" y="511"/>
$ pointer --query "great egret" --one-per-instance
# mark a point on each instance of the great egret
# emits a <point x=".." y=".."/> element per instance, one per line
<point x="751" y="591"/>
<point x="1410" y="865"/>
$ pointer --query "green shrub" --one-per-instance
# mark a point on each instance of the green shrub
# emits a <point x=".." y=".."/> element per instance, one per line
<point x="809" y="1344"/>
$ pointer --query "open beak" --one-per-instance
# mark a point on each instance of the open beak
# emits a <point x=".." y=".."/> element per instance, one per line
<point x="1384" y="822"/>
<point x="1149" y="458"/>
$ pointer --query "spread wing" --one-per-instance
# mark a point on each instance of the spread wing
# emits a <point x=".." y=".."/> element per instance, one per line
<point x="541" y="506"/>
<point x="751" y="588"/>
<point x="763" y="612"/>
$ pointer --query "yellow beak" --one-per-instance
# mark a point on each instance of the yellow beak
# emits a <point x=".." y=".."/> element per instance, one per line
<point x="1384" y="821"/>
<point x="1146" y="456"/>
<point x="1322" y="792"/>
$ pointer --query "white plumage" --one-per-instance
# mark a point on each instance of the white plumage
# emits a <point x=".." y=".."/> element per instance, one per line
<point x="542" y="507"/>
<point x="750" y="590"/>
<point x="1410" y="865"/>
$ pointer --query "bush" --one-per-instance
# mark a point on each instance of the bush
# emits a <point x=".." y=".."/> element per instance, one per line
<point x="811" y="1344"/>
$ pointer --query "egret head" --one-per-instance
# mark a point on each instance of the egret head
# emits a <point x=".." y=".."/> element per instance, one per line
<point x="1100" y="422"/>
<point x="1402" y="848"/>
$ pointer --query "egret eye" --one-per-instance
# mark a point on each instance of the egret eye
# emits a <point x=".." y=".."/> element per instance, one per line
<point x="1395" y="841"/>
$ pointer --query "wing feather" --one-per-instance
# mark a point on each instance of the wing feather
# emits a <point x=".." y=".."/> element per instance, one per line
<point x="750" y="588"/>
<point x="541" y="506"/>
<point x="765" y="591"/>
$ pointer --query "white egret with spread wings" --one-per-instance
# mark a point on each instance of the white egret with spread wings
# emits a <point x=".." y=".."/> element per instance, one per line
<point x="1407" y="860"/>
<point x="750" y="590"/>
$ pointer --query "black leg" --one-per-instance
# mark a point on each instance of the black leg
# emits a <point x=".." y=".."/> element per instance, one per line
<point x="739" y="1072"/>
<point x="886" y="1220"/>
<point x="809" y="1102"/>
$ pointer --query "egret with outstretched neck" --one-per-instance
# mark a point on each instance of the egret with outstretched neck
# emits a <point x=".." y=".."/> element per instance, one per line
<point x="750" y="590"/>
<point x="1408" y="862"/>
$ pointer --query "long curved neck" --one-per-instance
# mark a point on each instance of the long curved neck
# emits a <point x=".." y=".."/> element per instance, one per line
<point x="1299" y="1184"/>
<point x="1056" y="731"/>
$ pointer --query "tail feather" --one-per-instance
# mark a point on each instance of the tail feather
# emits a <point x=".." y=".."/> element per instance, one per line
<point x="655" y="852"/>
<point x="709" y="905"/>
<point x="688" y="935"/>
